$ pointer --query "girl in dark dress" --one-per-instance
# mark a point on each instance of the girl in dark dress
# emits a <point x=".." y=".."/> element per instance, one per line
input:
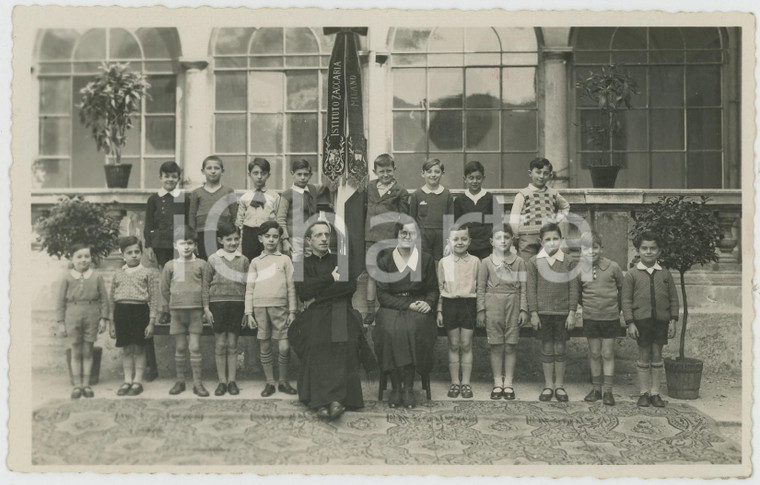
<point x="407" y="290"/>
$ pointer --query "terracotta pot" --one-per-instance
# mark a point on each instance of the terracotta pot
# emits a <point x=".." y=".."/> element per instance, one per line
<point x="117" y="176"/>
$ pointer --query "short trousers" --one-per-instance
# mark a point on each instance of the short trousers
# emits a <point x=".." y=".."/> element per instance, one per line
<point x="601" y="328"/>
<point x="82" y="321"/>
<point x="185" y="321"/>
<point x="528" y="245"/>
<point x="553" y="328"/>
<point x="459" y="313"/>
<point x="272" y="322"/>
<point x="502" y="318"/>
<point x="228" y="316"/>
<point x="651" y="332"/>
<point x="130" y="321"/>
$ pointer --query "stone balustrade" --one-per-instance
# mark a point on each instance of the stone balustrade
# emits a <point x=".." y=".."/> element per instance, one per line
<point x="608" y="211"/>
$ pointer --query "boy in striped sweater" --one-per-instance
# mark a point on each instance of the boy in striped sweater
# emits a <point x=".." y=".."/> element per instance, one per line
<point x="552" y="301"/>
<point x="650" y="308"/>
<point x="534" y="206"/>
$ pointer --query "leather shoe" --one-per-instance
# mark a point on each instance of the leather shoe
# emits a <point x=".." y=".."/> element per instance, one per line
<point x="546" y="396"/>
<point x="232" y="388"/>
<point x="608" y="399"/>
<point x="593" y="396"/>
<point x="200" y="391"/>
<point x="87" y="392"/>
<point x="561" y="394"/>
<point x="268" y="390"/>
<point x="286" y="388"/>
<point x="407" y="398"/>
<point x="654" y="399"/>
<point x="179" y="386"/>
<point x="221" y="389"/>
<point x="643" y="401"/>
<point x="76" y="393"/>
<point x="336" y="409"/>
<point x="323" y="412"/>
<point x="135" y="390"/>
<point x="394" y="399"/>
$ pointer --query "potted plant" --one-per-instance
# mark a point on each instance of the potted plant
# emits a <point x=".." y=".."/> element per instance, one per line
<point x="74" y="220"/>
<point x="108" y="103"/>
<point x="689" y="235"/>
<point x="610" y="90"/>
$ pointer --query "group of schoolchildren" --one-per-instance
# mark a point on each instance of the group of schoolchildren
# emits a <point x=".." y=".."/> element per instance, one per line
<point x="501" y="276"/>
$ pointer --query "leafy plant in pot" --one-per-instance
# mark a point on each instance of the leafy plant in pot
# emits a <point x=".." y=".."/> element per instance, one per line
<point x="108" y="104"/>
<point x="689" y="235"/>
<point x="611" y="91"/>
<point x="74" y="220"/>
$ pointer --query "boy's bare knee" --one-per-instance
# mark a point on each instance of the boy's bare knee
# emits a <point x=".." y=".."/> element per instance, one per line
<point x="608" y="354"/>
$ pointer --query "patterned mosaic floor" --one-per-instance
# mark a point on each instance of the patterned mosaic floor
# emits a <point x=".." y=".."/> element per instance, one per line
<point x="271" y="432"/>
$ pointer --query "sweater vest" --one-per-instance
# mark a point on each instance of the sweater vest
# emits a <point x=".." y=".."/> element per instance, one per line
<point x="537" y="206"/>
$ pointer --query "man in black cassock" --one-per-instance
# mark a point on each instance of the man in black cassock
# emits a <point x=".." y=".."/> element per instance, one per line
<point x="328" y="336"/>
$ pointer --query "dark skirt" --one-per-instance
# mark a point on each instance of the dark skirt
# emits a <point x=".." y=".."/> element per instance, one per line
<point x="404" y="337"/>
<point x="130" y="321"/>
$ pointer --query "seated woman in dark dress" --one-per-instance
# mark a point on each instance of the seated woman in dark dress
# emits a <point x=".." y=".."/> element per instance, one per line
<point x="407" y="290"/>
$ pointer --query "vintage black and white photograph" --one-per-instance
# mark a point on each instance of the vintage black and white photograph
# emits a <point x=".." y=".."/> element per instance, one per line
<point x="447" y="242"/>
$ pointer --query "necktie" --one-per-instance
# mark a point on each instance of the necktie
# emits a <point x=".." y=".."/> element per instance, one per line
<point x="258" y="199"/>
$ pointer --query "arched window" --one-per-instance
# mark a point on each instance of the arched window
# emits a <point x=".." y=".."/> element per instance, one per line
<point x="462" y="94"/>
<point x="66" y="61"/>
<point x="269" y="98"/>
<point x="674" y="135"/>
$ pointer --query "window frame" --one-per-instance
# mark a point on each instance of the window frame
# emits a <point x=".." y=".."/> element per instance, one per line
<point x="86" y="68"/>
<point x="504" y="54"/>
<point x="580" y="67"/>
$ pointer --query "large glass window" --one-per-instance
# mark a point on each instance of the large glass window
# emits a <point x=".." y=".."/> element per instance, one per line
<point x="67" y="60"/>
<point x="674" y="134"/>
<point x="462" y="94"/>
<point x="269" y="99"/>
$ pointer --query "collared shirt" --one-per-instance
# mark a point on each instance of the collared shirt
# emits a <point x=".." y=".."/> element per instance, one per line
<point x="475" y="197"/>
<point x="457" y="277"/>
<point x="250" y="216"/>
<point x="174" y="193"/>
<point x="227" y="255"/>
<point x="77" y="275"/>
<point x="558" y="256"/>
<point x="501" y="261"/>
<point x="133" y="269"/>
<point x="136" y="284"/>
<point x="383" y="189"/>
<point x="437" y="191"/>
<point x="648" y="269"/>
<point x="300" y="190"/>
<point x="600" y="287"/>
<point x="411" y="263"/>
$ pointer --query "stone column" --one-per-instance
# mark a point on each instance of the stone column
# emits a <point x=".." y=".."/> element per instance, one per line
<point x="556" y="116"/>
<point x="196" y="126"/>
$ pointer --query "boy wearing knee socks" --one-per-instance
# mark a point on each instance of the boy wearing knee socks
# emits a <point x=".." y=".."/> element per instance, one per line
<point x="650" y="308"/>
<point x="270" y="306"/>
<point x="185" y="296"/>
<point x="552" y="300"/>
<point x="599" y="285"/>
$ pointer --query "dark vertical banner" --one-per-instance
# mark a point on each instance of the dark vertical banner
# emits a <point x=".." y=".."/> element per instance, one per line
<point x="345" y="147"/>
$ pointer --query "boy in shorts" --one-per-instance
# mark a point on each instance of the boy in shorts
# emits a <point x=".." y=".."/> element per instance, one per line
<point x="552" y="301"/>
<point x="650" y="308"/>
<point x="185" y="297"/>
<point x="599" y="286"/>
<point x="270" y="305"/>
<point x="457" y="281"/>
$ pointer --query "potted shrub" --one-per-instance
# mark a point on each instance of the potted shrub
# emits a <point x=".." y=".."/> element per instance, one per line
<point x="610" y="90"/>
<point x="689" y="235"/>
<point x="74" y="220"/>
<point x="108" y="103"/>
